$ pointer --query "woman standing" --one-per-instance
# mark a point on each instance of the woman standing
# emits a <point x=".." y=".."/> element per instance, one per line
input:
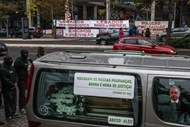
<point x="121" y="33"/>
<point x="147" y="33"/>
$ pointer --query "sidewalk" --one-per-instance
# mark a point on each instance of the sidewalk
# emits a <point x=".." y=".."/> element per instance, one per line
<point x="18" y="122"/>
<point x="50" y="39"/>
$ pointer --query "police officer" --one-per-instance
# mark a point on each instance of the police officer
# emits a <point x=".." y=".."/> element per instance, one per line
<point x="1" y="102"/>
<point x="21" y="66"/>
<point x="9" y="84"/>
<point x="1" y="122"/>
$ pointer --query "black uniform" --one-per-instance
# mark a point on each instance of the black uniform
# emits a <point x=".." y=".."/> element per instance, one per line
<point x="21" y="66"/>
<point x="1" y="122"/>
<point x="1" y="103"/>
<point x="9" y="82"/>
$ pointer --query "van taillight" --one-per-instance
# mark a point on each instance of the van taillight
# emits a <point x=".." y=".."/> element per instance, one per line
<point x="29" y="83"/>
<point x="33" y="124"/>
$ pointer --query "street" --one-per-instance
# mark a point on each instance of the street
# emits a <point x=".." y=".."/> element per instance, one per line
<point x="52" y="45"/>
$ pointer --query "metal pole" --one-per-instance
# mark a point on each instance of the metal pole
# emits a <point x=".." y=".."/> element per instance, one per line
<point x="66" y="18"/>
<point x="107" y="11"/>
<point x="153" y="10"/>
<point x="38" y="17"/>
<point x="29" y="15"/>
<point x="7" y="26"/>
<point x="52" y="16"/>
<point x="175" y="4"/>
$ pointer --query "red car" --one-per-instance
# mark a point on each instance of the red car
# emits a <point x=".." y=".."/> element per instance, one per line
<point x="139" y="43"/>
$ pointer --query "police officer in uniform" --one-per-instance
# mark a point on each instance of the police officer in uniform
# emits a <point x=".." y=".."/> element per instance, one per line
<point x="9" y="84"/>
<point x="21" y="66"/>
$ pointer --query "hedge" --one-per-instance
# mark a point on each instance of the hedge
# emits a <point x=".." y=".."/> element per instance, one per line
<point x="180" y="43"/>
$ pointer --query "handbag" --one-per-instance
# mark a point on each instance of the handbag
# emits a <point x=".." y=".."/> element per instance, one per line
<point x="185" y="118"/>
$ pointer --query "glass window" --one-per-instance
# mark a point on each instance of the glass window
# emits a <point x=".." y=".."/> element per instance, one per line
<point x="183" y="29"/>
<point x="144" y="43"/>
<point x="115" y="35"/>
<point x="131" y="41"/>
<point x="55" y="98"/>
<point x="175" y="30"/>
<point x="171" y="99"/>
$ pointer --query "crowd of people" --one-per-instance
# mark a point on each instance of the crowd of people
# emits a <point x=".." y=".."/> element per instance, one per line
<point x="13" y="77"/>
<point x="133" y="31"/>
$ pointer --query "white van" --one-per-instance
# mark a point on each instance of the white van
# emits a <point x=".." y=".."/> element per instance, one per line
<point x="70" y="89"/>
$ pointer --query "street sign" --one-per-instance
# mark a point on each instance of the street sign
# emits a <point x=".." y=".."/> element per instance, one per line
<point x="67" y="15"/>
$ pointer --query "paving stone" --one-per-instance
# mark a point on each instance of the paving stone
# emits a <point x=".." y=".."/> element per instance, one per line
<point x="18" y="122"/>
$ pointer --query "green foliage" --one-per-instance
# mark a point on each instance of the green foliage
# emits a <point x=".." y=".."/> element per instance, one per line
<point x="143" y="3"/>
<point x="180" y="43"/>
<point x="47" y="7"/>
<point x="32" y="8"/>
<point x="7" y="9"/>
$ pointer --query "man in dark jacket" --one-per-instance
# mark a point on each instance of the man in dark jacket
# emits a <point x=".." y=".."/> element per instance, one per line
<point x="1" y="122"/>
<point x="21" y="66"/>
<point x="9" y="84"/>
<point x="1" y="102"/>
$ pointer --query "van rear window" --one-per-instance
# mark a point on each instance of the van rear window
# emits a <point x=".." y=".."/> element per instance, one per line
<point x="89" y="97"/>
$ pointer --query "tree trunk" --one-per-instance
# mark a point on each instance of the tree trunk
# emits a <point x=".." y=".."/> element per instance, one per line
<point x="153" y="10"/>
<point x="171" y="12"/>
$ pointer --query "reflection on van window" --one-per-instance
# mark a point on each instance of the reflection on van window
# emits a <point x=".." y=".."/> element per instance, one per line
<point x="171" y="98"/>
<point x="55" y="99"/>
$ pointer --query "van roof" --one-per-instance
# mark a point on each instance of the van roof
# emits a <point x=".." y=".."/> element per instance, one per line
<point x="137" y="59"/>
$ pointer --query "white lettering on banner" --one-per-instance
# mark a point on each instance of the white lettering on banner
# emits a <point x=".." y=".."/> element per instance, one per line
<point x="80" y="33"/>
<point x="104" y="85"/>
<point x="93" y="23"/>
<point x="155" y="26"/>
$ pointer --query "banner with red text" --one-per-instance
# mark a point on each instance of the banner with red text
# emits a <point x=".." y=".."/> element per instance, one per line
<point x="80" y="32"/>
<point x="154" y="26"/>
<point x="93" y="23"/>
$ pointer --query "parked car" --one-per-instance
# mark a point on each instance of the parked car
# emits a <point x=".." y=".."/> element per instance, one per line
<point x="109" y="31"/>
<point x="3" y="33"/>
<point x="33" y="33"/>
<point x="3" y="49"/>
<point x="176" y="33"/>
<point x="110" y="37"/>
<point x="139" y="43"/>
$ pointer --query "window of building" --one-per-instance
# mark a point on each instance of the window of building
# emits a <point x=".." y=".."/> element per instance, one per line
<point x="171" y="99"/>
<point x="58" y="96"/>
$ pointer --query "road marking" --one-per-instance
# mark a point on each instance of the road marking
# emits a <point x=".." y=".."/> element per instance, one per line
<point x="60" y="46"/>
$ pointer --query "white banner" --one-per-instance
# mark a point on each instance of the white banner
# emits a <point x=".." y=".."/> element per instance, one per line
<point x="93" y="23"/>
<point x="155" y="26"/>
<point x="104" y="85"/>
<point x="80" y="32"/>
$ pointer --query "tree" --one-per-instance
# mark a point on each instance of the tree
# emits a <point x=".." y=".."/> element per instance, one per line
<point x="47" y="6"/>
<point x="49" y="10"/>
<point x="6" y="10"/>
<point x="171" y="5"/>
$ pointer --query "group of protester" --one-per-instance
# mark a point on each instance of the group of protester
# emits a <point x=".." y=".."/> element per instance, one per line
<point x="133" y="31"/>
<point x="13" y="76"/>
